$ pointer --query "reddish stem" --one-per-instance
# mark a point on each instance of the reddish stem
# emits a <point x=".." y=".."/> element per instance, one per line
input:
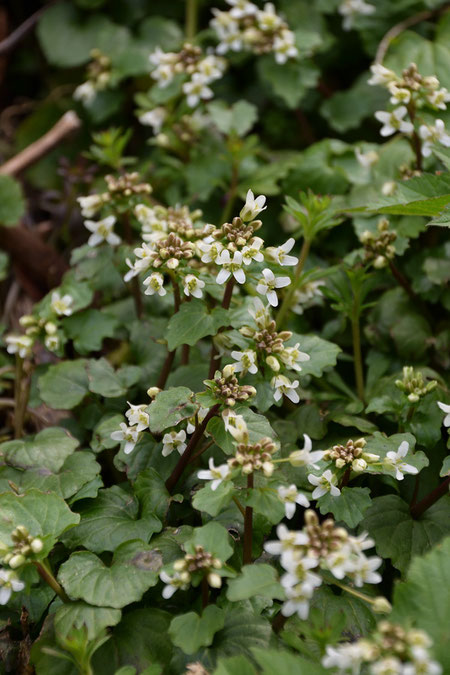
<point x="419" y="509"/>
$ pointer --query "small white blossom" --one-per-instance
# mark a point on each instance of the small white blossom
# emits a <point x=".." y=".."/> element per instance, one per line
<point x="216" y="474"/>
<point x="102" y="231"/>
<point x="351" y="8"/>
<point x="90" y="205"/>
<point x="154" y="284"/>
<point x="211" y="251"/>
<point x="286" y="540"/>
<point x="85" y="92"/>
<point x="388" y="188"/>
<point x="327" y="482"/>
<point x="211" y="68"/>
<point x="305" y="457"/>
<point x="19" y="344"/>
<point x="193" y="286"/>
<point x="62" y="306"/>
<point x="366" y="159"/>
<point x="290" y="496"/>
<point x="260" y="313"/>
<point x="246" y="361"/>
<point x="345" y="657"/>
<point x="174" y="582"/>
<point x="197" y="89"/>
<point x="381" y="75"/>
<point x="230" y="266"/>
<point x="364" y="570"/>
<point x="268" y="19"/>
<point x="283" y="385"/>
<point x="128" y="434"/>
<point x="388" y="666"/>
<point x="252" y="251"/>
<point x="235" y="425"/>
<point x="9" y="584"/>
<point x="395" y="460"/>
<point x="422" y="665"/>
<point x="284" y="47"/>
<point x="174" y="441"/>
<point x="137" y="416"/>
<point x="252" y="206"/>
<point x="445" y="409"/>
<point x="340" y="562"/>
<point x="154" y="118"/>
<point x="433" y="134"/>
<point x="269" y="282"/>
<point x="399" y="95"/>
<point x="279" y="255"/>
<point x="201" y="414"/>
<point x="290" y="356"/>
<point x="439" y="98"/>
<point x="242" y="8"/>
<point x="393" y="121"/>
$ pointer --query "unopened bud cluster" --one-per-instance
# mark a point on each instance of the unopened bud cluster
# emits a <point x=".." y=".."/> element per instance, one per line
<point x="350" y="454"/>
<point x="24" y="545"/>
<point x="413" y="384"/>
<point x="254" y="457"/>
<point x="226" y="389"/>
<point x="378" y="246"/>
<point x="98" y="77"/>
<point x="192" y="569"/>
<point x="390" y="650"/>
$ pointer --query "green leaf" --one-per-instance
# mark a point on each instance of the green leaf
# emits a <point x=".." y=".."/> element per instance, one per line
<point x="64" y="385"/>
<point x="258" y="427"/>
<point x="359" y="618"/>
<point x="350" y="506"/>
<point x="191" y="631"/>
<point x="346" y="109"/>
<point x="192" y="322"/>
<point x="111" y="519"/>
<point x="234" y="665"/>
<point x="151" y="490"/>
<point x="445" y="471"/>
<point x="425" y="195"/>
<point x="104" y="380"/>
<point x="134" y="569"/>
<point x="43" y="514"/>
<point x="243" y="630"/>
<point x="400" y="537"/>
<point x="380" y="445"/>
<point x="101" y="434"/>
<point x="238" y="118"/>
<point x="255" y="580"/>
<point x="214" y="538"/>
<point x="12" y="203"/>
<point x="213" y="501"/>
<point x="265" y="500"/>
<point x="274" y="662"/>
<point x="49" y="449"/>
<point x="171" y="407"/>
<point x="323" y="354"/>
<point x="88" y="329"/>
<point x="289" y="81"/>
<point x="423" y="599"/>
<point x="77" y="614"/>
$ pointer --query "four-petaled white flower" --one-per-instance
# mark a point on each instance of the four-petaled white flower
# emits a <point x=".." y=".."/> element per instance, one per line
<point x="305" y="457"/>
<point x="268" y="19"/>
<point x="396" y="461"/>
<point x="90" y="205"/>
<point x="235" y="425"/>
<point x="290" y="496"/>
<point x="390" y="665"/>
<point x="128" y="434"/>
<point x="154" y="118"/>
<point x="174" y="582"/>
<point x="174" y="441"/>
<point x="366" y="159"/>
<point x="292" y="355"/>
<point x="351" y="8"/>
<point x="363" y="571"/>
<point x="252" y="206"/>
<point x="399" y="95"/>
<point x="381" y="75"/>
<point x="286" y="540"/>
<point x="246" y="361"/>
<point x="284" y="47"/>
<point x="211" y="250"/>
<point x="85" y="92"/>
<point x="445" y="409"/>
<point x="279" y="255"/>
<point x="137" y="416"/>
<point x="102" y="231"/>
<point x="327" y="482"/>
<point x="339" y="562"/>
<point x="193" y="286"/>
<point x="197" y="89"/>
<point x="62" y="306"/>
<point x="433" y="134"/>
<point x="154" y="284"/>
<point x="252" y="251"/>
<point x="283" y="385"/>
<point x="9" y="583"/>
<point x="393" y="121"/>
<point x="439" y="98"/>
<point x="269" y="282"/>
<point x="216" y="474"/>
<point x="19" y="344"/>
<point x="230" y="266"/>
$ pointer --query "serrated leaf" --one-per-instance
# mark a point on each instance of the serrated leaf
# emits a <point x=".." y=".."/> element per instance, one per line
<point x="133" y="570"/>
<point x="400" y="537"/>
<point x="192" y="323"/>
<point x="12" y="204"/>
<point x="111" y="519"/>
<point x="191" y="631"/>
<point x="425" y="195"/>
<point x="445" y="471"/>
<point x="77" y="614"/>
<point x="64" y="385"/>
<point x="170" y="407"/>
<point x="255" y="580"/>
<point x="349" y="507"/>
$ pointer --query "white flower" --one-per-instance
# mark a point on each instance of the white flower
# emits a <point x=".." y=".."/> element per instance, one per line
<point x="90" y="205"/>
<point x="388" y="666"/>
<point x="154" y="118"/>
<point x="395" y="460"/>
<point x="364" y="570"/>
<point x="211" y="251"/>
<point x="235" y="425"/>
<point x="216" y="474"/>
<point x="260" y="313"/>
<point x="445" y="409"/>
<point x="287" y="540"/>
<point x="305" y="457"/>
<point x="252" y="251"/>
<point x="279" y="255"/>
<point x="422" y="665"/>
<point x="339" y="562"/>
<point x="366" y="159"/>
<point x="201" y="414"/>
<point x="128" y="434"/>
<point x="102" y="231"/>
<point x="85" y="92"/>
<point x="388" y="188"/>
<point x="381" y="75"/>
<point x="349" y="8"/>
<point x="241" y="8"/>
<point x="246" y="361"/>
<point x="174" y="582"/>
<point x="9" y="583"/>
<point x="174" y="441"/>
<point x="283" y="385"/>
<point x="344" y="657"/>
<point x="324" y="483"/>
<point x="268" y="19"/>
<point x="211" y="68"/>
<point x="154" y="284"/>
<point x="284" y="47"/>
<point x="399" y="94"/>
<point x="439" y="98"/>
<point x="290" y="496"/>
<point x="196" y="89"/>
<point x="193" y="286"/>
<point x="62" y="306"/>
<point x="252" y="206"/>
<point x="291" y="355"/>
<point x="433" y="134"/>
<point x="269" y="282"/>
<point x="298" y="575"/>
<point x="19" y="344"/>
<point x="393" y="121"/>
<point x="361" y="543"/>
<point x="230" y="266"/>
<point x="137" y="416"/>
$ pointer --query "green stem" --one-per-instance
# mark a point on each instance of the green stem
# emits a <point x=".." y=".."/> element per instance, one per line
<point x="191" y="19"/>
<point x="357" y="357"/>
<point x="45" y="574"/>
<point x="352" y="591"/>
<point x="287" y="302"/>
<point x="248" y="528"/>
<point x="239" y="505"/>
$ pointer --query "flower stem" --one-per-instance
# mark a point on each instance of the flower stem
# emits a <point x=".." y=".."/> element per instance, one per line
<point x="248" y="527"/>
<point x="187" y="454"/>
<point x="354" y="592"/>
<point x="419" y="509"/>
<point x="191" y="19"/>
<point x="287" y="301"/>
<point x="45" y="574"/>
<point x="239" y="505"/>
<point x="214" y="362"/>
<point x="357" y="357"/>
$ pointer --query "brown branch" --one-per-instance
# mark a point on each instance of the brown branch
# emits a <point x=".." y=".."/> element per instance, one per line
<point x="22" y="31"/>
<point x="419" y="509"/>
<point x="68" y="123"/>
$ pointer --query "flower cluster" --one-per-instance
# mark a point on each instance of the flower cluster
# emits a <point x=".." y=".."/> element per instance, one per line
<point x="378" y="246"/>
<point x="191" y="570"/>
<point x="350" y="9"/>
<point x="413" y="384"/>
<point x="23" y="546"/>
<point x="246" y="27"/>
<point x="99" y="77"/>
<point x="130" y="433"/>
<point x="391" y="650"/>
<point x="320" y="546"/>
<point x="410" y="94"/>
<point x="350" y="454"/>
<point x="226" y="390"/>
<point x="122" y="193"/>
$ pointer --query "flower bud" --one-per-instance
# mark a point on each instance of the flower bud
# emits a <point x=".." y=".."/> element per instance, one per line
<point x="381" y="606"/>
<point x="359" y="464"/>
<point x="340" y="463"/>
<point x="214" y="580"/>
<point x="379" y="262"/>
<point x="153" y="391"/>
<point x="273" y="363"/>
<point x="370" y="457"/>
<point x="228" y="371"/>
<point x="179" y="565"/>
<point x="21" y="530"/>
<point x="37" y="545"/>
<point x="16" y="561"/>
